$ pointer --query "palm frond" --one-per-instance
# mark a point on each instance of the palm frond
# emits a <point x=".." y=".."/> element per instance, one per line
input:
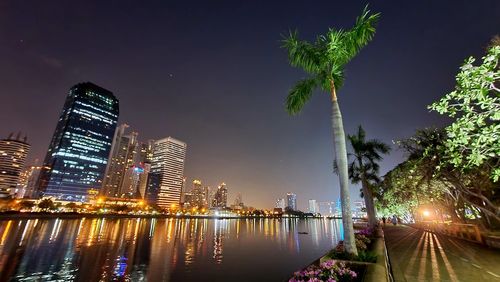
<point x="337" y="73"/>
<point x="302" y="54"/>
<point x="361" y="34"/>
<point x="299" y="95"/>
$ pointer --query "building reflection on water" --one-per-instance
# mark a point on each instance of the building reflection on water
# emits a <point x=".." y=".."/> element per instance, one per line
<point x="141" y="249"/>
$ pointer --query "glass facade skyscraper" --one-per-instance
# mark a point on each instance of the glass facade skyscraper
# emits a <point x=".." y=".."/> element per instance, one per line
<point x="79" y="150"/>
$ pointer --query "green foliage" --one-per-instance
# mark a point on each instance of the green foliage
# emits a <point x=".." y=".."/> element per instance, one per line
<point x="474" y="136"/>
<point x="324" y="60"/>
<point x="426" y="180"/>
<point x="364" y="158"/>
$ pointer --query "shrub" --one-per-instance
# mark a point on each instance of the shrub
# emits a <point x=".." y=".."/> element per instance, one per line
<point x="362" y="243"/>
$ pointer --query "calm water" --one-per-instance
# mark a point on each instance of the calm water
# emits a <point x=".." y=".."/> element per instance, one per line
<point x="161" y="249"/>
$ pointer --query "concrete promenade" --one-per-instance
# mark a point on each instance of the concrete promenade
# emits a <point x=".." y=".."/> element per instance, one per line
<point x="417" y="255"/>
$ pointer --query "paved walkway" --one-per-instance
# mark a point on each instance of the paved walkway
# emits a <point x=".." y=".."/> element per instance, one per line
<point x="416" y="255"/>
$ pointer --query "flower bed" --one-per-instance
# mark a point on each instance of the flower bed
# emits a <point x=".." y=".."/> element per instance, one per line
<point x="329" y="270"/>
<point x="337" y="265"/>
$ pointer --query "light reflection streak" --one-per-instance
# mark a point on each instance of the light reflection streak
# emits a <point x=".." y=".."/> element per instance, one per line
<point x="447" y="264"/>
<point x="24" y="232"/>
<point x="434" y="263"/>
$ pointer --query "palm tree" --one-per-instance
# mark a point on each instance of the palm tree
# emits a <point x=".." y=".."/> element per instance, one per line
<point x="324" y="60"/>
<point x="364" y="167"/>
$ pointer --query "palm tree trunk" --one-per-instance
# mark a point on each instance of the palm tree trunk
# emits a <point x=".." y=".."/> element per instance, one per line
<point x="341" y="159"/>
<point x="370" y="206"/>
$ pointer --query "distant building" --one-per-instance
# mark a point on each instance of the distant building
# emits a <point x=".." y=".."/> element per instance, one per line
<point x="291" y="201"/>
<point x="120" y="162"/>
<point x="280" y="203"/>
<point x="359" y="209"/>
<point x="167" y="170"/>
<point x="326" y="208"/>
<point x="13" y="152"/>
<point x="78" y="153"/>
<point x="198" y="196"/>
<point x="27" y="183"/>
<point x="313" y="206"/>
<point x="220" y="197"/>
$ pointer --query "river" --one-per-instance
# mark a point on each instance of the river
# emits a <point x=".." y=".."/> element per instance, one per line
<point x="161" y="249"/>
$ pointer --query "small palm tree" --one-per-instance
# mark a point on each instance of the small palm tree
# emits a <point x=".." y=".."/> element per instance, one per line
<point x="364" y="167"/>
<point x="324" y="60"/>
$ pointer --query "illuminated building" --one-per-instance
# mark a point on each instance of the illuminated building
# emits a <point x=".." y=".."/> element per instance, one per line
<point x="198" y="197"/>
<point x="167" y="170"/>
<point x="220" y="197"/>
<point x="120" y="161"/>
<point x="359" y="209"/>
<point x="78" y="153"/>
<point x="13" y="154"/>
<point x="291" y="201"/>
<point x="313" y="206"/>
<point x="326" y="208"/>
<point x="27" y="186"/>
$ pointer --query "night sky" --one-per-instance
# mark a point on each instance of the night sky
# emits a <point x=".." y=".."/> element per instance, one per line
<point x="211" y="73"/>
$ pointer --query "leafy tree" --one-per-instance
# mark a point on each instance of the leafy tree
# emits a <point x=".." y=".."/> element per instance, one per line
<point x="324" y="60"/>
<point x="418" y="181"/>
<point x="474" y="136"/>
<point x="364" y="168"/>
<point x="46" y="204"/>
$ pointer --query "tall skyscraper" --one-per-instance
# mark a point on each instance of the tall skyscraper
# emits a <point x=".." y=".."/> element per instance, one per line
<point x="291" y="201"/>
<point x="79" y="150"/>
<point x="220" y="197"/>
<point x="13" y="154"/>
<point x="167" y="171"/>
<point x="120" y="162"/>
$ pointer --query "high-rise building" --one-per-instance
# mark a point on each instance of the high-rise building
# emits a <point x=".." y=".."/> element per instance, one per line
<point x="291" y="201"/>
<point x="197" y="195"/>
<point x="280" y="203"/>
<point x="27" y="182"/>
<point x="167" y="171"/>
<point x="78" y="153"/>
<point x="313" y="206"/>
<point x="13" y="154"/>
<point x="220" y="197"/>
<point x="119" y="176"/>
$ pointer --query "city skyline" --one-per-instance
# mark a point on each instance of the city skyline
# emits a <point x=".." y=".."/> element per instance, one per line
<point x="232" y="116"/>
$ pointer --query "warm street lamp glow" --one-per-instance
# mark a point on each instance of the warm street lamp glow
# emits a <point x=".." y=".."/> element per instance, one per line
<point x="426" y="213"/>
